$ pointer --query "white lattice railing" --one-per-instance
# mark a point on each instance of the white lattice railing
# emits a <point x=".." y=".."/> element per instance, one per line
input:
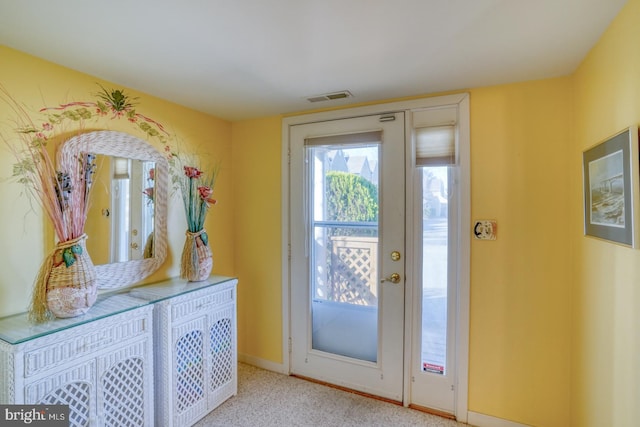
<point x="353" y="270"/>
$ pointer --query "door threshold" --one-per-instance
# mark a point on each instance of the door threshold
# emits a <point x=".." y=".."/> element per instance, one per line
<point x="348" y="390"/>
<point x="431" y="411"/>
<point x="420" y="408"/>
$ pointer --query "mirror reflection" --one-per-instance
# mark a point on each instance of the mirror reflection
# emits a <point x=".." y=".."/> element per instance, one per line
<point x="132" y="198"/>
<point x="121" y="216"/>
<point x="128" y="204"/>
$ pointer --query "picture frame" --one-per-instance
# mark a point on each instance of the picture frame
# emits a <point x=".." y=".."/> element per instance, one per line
<point x="610" y="184"/>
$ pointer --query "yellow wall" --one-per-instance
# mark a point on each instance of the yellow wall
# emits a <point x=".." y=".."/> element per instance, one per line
<point x="27" y="236"/>
<point x="520" y="283"/>
<point x="258" y="236"/>
<point x="606" y="292"/>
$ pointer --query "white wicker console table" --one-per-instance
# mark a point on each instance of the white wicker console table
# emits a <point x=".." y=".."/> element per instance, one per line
<point x="101" y="364"/>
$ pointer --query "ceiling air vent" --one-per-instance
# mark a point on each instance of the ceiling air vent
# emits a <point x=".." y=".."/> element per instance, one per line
<point x="330" y="96"/>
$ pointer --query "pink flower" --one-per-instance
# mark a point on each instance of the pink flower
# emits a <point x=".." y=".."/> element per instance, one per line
<point x="192" y="172"/>
<point x="205" y="195"/>
<point x="47" y="126"/>
<point x="205" y="192"/>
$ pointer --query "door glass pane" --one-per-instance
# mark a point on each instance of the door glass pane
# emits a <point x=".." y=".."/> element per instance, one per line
<point x="343" y="184"/>
<point x="435" y="238"/>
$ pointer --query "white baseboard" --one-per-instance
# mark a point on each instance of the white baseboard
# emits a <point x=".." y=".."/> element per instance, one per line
<point x="481" y="420"/>
<point x="263" y="364"/>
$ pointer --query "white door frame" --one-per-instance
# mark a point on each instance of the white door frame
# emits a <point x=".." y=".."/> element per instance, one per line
<point x="463" y="285"/>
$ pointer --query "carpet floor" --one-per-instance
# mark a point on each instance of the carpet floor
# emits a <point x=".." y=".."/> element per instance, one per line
<point x="269" y="399"/>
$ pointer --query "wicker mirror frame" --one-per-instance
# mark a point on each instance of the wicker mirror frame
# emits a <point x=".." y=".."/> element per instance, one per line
<point x="120" y="144"/>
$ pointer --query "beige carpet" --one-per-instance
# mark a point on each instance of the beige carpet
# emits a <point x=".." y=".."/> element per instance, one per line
<point x="268" y="399"/>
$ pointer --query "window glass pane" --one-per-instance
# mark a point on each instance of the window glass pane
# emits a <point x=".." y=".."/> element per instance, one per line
<point x="343" y="183"/>
<point x="435" y="238"/>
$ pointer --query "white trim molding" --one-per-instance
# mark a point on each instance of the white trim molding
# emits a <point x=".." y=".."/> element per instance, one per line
<point x="263" y="364"/>
<point x="464" y="267"/>
<point x="477" y="419"/>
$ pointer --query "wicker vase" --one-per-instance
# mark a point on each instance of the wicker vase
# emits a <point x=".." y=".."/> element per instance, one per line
<point x="68" y="277"/>
<point x="197" y="260"/>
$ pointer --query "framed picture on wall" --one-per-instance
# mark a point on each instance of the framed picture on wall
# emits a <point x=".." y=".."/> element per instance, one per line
<point x="610" y="176"/>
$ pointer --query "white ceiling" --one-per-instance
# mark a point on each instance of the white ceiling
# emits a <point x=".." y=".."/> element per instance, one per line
<point x="240" y="59"/>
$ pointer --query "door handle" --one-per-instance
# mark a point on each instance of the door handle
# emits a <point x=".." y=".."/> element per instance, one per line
<point x="394" y="278"/>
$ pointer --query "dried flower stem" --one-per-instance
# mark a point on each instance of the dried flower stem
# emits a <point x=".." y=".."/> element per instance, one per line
<point x="36" y="170"/>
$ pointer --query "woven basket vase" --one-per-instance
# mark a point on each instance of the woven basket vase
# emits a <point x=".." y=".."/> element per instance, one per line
<point x="197" y="260"/>
<point x="71" y="290"/>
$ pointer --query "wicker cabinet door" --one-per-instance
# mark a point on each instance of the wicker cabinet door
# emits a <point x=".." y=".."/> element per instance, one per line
<point x="71" y="386"/>
<point x="189" y="379"/>
<point x="125" y="392"/>
<point x="222" y="355"/>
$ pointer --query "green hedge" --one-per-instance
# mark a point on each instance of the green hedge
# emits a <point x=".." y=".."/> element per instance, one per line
<point x="351" y="198"/>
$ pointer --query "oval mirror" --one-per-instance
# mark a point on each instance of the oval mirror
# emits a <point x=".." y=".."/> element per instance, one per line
<point x="127" y="219"/>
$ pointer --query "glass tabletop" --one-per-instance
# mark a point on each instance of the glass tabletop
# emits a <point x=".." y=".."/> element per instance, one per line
<point x="156" y="292"/>
<point x="18" y="328"/>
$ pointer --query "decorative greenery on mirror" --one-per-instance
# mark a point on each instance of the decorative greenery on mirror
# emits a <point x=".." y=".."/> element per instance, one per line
<point x="126" y="226"/>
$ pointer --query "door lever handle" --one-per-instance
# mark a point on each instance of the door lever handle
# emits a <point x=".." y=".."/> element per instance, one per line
<point x="394" y="278"/>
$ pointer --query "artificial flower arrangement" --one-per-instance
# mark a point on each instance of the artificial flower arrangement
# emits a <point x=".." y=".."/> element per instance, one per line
<point x="63" y="193"/>
<point x="66" y="283"/>
<point x="196" y="186"/>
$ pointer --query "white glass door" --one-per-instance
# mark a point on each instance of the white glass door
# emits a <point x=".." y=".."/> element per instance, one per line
<point x="347" y="246"/>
